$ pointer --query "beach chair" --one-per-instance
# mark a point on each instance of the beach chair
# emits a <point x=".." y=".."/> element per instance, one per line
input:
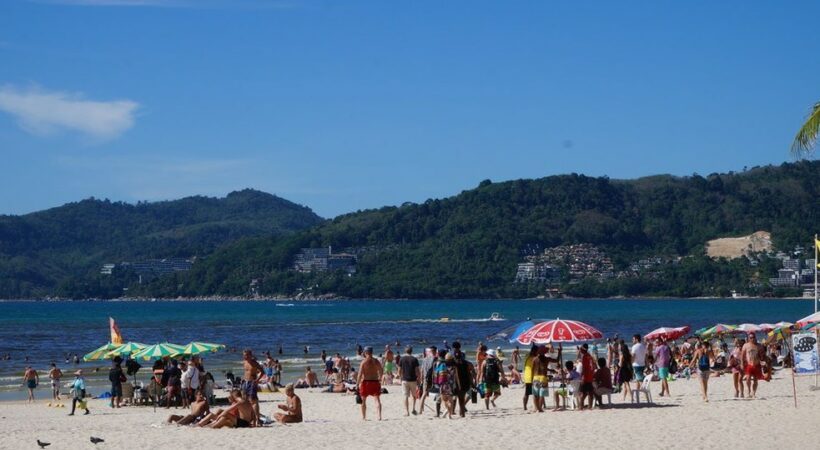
<point x="575" y="393"/>
<point x="644" y="389"/>
<point x="128" y="393"/>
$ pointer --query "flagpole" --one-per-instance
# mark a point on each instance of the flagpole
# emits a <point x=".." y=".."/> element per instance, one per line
<point x="815" y="272"/>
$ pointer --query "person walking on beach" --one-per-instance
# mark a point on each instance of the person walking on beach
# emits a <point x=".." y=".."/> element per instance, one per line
<point x="663" y="359"/>
<point x="78" y="392"/>
<point x="736" y="368"/>
<point x="516" y="357"/>
<point x="54" y="374"/>
<point x="465" y="375"/>
<point x="409" y="374"/>
<point x="370" y="372"/>
<point x="491" y="376"/>
<point x="702" y="357"/>
<point x="389" y="357"/>
<point x="31" y="379"/>
<point x="626" y="368"/>
<point x="750" y="360"/>
<point x="427" y="364"/>
<point x="540" y="384"/>
<point x="250" y="379"/>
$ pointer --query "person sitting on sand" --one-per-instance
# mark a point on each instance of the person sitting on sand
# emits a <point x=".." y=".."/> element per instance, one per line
<point x="199" y="409"/>
<point x="241" y="414"/>
<point x="292" y="407"/>
<point x="515" y="375"/>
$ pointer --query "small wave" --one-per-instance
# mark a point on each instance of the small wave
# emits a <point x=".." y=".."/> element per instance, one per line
<point x="285" y="304"/>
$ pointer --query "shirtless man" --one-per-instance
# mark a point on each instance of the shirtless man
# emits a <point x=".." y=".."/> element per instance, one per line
<point x="250" y="380"/>
<point x="750" y="361"/>
<point x="31" y="379"/>
<point x="199" y="408"/>
<point x="241" y="414"/>
<point x="540" y="378"/>
<point x="54" y="375"/>
<point x="370" y="372"/>
<point x="292" y="408"/>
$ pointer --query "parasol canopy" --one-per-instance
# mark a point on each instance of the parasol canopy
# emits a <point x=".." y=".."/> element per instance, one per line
<point x="718" y="329"/>
<point x="813" y="318"/>
<point x="158" y="351"/>
<point x="748" y="328"/>
<point x="100" y="352"/>
<point x="667" y="333"/>
<point x="195" y="348"/>
<point x="125" y="349"/>
<point x="559" y="330"/>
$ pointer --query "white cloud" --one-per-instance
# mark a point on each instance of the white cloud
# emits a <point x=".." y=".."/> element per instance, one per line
<point x="44" y="112"/>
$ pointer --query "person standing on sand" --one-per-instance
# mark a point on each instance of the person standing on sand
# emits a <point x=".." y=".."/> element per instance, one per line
<point x="389" y="357"/>
<point x="638" y="360"/>
<point x="587" y="377"/>
<point x="409" y="374"/>
<point x="427" y="364"/>
<point x="663" y="359"/>
<point x="516" y="357"/>
<point x="250" y="379"/>
<point x="737" y="368"/>
<point x="116" y="376"/>
<point x="465" y="375"/>
<point x="527" y="377"/>
<point x="370" y="372"/>
<point x="31" y="379"/>
<point x="750" y="360"/>
<point x="491" y="374"/>
<point x="54" y="375"/>
<point x="703" y="355"/>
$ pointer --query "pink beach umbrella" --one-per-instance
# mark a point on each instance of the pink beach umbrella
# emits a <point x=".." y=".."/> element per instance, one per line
<point x="667" y="333"/>
<point x="814" y="318"/>
<point x="560" y="331"/>
<point x="748" y="328"/>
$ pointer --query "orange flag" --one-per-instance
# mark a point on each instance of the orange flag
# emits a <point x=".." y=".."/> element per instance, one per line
<point x="116" y="337"/>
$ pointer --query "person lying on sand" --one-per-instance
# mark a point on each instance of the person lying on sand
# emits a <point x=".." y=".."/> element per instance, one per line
<point x="240" y="414"/>
<point x="292" y="408"/>
<point x="199" y="409"/>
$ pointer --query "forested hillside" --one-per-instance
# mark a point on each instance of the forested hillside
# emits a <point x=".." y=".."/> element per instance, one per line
<point x="45" y="252"/>
<point x="469" y="245"/>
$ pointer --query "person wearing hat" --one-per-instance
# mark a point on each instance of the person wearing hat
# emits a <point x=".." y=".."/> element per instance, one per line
<point x="78" y="388"/>
<point x="491" y="376"/>
<point x="368" y="381"/>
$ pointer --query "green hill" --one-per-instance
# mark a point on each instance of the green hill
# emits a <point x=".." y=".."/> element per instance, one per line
<point x="469" y="245"/>
<point x="45" y="252"/>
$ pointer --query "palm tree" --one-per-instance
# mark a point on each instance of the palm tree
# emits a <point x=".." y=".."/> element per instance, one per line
<point x="806" y="138"/>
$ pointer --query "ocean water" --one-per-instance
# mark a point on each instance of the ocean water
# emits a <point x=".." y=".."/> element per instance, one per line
<point x="47" y="331"/>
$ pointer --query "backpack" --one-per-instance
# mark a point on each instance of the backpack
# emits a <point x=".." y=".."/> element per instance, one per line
<point x="491" y="371"/>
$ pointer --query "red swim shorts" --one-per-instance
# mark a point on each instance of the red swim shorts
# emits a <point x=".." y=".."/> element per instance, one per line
<point x="753" y="370"/>
<point x="370" y="387"/>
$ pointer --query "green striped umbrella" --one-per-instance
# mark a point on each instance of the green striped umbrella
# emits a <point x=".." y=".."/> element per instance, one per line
<point x="100" y="353"/>
<point x="158" y="351"/>
<point x="195" y="348"/>
<point x="125" y="349"/>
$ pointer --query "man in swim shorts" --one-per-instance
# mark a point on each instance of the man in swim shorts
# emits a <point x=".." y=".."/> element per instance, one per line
<point x="750" y="361"/>
<point x="663" y="359"/>
<point x="250" y="380"/>
<point x="370" y="372"/>
<point x="31" y="379"/>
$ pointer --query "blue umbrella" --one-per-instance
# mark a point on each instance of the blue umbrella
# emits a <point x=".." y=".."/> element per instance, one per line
<point x="512" y="333"/>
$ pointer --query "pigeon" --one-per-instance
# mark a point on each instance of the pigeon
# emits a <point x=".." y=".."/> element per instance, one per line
<point x="96" y="440"/>
<point x="43" y="444"/>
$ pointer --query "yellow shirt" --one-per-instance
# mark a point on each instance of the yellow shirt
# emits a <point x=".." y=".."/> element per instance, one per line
<point x="528" y="370"/>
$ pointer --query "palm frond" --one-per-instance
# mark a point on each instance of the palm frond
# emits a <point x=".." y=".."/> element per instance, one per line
<point x="806" y="138"/>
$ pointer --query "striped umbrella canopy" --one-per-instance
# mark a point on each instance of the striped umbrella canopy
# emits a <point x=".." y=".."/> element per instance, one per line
<point x="766" y="327"/>
<point x="100" y="352"/>
<point x="125" y="349"/>
<point x="158" y="351"/>
<point x="195" y="348"/>
<point x="667" y="333"/>
<point x="718" y="329"/>
<point x="558" y="330"/>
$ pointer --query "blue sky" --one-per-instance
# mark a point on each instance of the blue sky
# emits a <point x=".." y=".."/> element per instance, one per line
<point x="346" y="105"/>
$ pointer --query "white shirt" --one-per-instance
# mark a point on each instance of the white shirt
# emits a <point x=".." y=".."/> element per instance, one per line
<point x="639" y="355"/>
<point x="190" y="379"/>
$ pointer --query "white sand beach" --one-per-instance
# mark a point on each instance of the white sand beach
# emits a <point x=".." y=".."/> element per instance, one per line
<point x="333" y="420"/>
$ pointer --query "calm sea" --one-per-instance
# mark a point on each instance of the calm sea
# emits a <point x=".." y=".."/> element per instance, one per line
<point x="48" y="331"/>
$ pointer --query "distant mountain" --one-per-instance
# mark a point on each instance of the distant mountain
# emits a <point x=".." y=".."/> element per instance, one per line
<point x="469" y="245"/>
<point x="41" y="250"/>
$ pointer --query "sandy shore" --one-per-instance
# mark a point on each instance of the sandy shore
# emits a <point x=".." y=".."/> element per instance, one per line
<point x="682" y="421"/>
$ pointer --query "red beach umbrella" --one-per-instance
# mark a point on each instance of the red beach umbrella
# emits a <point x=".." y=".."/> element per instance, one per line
<point x="667" y="333"/>
<point x="561" y="331"/>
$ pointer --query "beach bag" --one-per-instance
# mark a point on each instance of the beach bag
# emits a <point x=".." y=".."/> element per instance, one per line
<point x="673" y="366"/>
<point x="491" y="375"/>
<point x="83" y="404"/>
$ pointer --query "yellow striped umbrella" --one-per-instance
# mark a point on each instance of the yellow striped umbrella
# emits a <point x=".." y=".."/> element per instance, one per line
<point x="99" y="353"/>
<point x="195" y="348"/>
<point x="158" y="351"/>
